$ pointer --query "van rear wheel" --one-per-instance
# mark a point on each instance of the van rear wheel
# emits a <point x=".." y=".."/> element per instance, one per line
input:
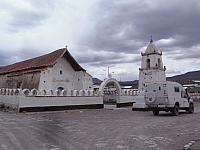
<point x="155" y="112"/>
<point x="175" y="110"/>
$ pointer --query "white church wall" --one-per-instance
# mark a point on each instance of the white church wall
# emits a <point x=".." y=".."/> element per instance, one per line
<point x="85" y="81"/>
<point x="63" y="75"/>
<point x="45" y="79"/>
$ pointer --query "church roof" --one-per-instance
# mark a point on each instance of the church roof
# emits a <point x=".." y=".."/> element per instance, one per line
<point x="43" y="61"/>
<point x="151" y="48"/>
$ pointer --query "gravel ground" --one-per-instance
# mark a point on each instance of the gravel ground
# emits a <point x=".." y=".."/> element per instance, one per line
<point x="105" y="129"/>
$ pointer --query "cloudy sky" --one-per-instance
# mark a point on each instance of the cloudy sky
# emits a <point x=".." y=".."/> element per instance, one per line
<point x="102" y="33"/>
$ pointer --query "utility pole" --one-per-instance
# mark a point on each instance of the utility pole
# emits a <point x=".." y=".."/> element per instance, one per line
<point x="108" y="72"/>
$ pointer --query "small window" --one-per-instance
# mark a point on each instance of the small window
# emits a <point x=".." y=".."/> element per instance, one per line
<point x="159" y="88"/>
<point x="159" y="63"/>
<point x="60" y="72"/>
<point x="44" y="81"/>
<point x="176" y="89"/>
<point x="148" y="63"/>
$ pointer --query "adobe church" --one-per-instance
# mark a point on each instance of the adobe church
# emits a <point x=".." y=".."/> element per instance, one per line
<point x="56" y="70"/>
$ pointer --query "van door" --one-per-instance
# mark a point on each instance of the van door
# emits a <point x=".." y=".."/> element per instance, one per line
<point x="184" y="98"/>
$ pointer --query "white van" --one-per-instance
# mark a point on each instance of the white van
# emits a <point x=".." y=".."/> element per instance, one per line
<point x="167" y="96"/>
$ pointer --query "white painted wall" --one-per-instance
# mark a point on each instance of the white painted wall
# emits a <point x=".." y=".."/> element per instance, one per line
<point x="51" y="78"/>
<point x="11" y="101"/>
<point x="18" y="101"/>
<point x="149" y="76"/>
<point x="58" y="101"/>
<point x="126" y="99"/>
<point x="84" y="80"/>
<point x="139" y="101"/>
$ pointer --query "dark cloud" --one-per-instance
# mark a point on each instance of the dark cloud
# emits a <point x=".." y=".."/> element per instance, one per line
<point x="114" y="33"/>
<point x="188" y="56"/>
<point x="28" y="53"/>
<point x="31" y="14"/>
<point x="126" y="26"/>
<point x="5" y="58"/>
<point x="98" y="57"/>
<point x="103" y="58"/>
<point x="10" y="57"/>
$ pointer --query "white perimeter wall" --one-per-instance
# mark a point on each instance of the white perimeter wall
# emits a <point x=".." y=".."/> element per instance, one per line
<point x="126" y="99"/>
<point x="11" y="101"/>
<point x="17" y="101"/>
<point x="58" y="101"/>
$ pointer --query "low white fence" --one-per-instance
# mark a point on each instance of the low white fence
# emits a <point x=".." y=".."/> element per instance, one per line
<point x="35" y="92"/>
<point x="33" y="100"/>
<point x="130" y="92"/>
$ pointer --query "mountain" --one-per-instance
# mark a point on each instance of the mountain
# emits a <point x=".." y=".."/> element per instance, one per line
<point x="96" y="81"/>
<point x="134" y="83"/>
<point x="186" y="78"/>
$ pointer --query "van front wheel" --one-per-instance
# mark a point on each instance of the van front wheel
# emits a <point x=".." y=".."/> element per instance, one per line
<point x="155" y="112"/>
<point x="175" y="110"/>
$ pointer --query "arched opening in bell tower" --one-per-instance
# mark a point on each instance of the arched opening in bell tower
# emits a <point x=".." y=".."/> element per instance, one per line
<point x="148" y="64"/>
<point x="159" y="63"/>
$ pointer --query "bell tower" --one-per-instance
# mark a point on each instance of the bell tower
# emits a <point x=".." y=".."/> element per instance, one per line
<point x="152" y="69"/>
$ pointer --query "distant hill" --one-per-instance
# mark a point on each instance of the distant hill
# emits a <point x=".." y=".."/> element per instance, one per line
<point x="96" y="81"/>
<point x="186" y="78"/>
<point x="134" y="83"/>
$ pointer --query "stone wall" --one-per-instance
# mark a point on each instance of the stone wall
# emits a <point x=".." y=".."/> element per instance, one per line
<point x="24" y="80"/>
